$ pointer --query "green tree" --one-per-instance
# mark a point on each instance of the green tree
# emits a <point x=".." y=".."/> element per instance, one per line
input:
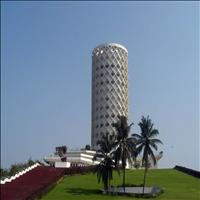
<point x="124" y="145"/>
<point x="30" y="162"/>
<point x="15" y="168"/>
<point x="146" y="142"/>
<point x="104" y="169"/>
<point x="4" y="173"/>
<point x="87" y="147"/>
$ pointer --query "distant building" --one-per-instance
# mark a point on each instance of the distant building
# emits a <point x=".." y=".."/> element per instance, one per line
<point x="109" y="89"/>
<point x="71" y="158"/>
<point x="77" y="158"/>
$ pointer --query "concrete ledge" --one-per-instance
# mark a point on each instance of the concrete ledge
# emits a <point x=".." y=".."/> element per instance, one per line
<point x="189" y="171"/>
<point x="134" y="191"/>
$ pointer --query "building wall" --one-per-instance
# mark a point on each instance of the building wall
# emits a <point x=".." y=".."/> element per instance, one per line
<point x="109" y="88"/>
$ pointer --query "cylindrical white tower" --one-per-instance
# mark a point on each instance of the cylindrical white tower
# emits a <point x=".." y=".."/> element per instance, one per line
<point x="109" y="88"/>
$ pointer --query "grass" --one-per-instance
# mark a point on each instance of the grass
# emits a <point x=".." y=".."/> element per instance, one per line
<point x="177" y="186"/>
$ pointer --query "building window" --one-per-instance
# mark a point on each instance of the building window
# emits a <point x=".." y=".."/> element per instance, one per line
<point x="112" y="65"/>
<point x="101" y="74"/>
<point x="107" y="66"/>
<point x="107" y="124"/>
<point x="101" y="125"/>
<point x="107" y="107"/>
<point x="97" y="126"/>
<point x="107" y="81"/>
<point x="101" y="66"/>
<point x="101" y="116"/>
<point x="112" y="115"/>
<point x="112" y="82"/>
<point x="101" y="82"/>
<point x="112" y="73"/>
<point x="107" y="98"/>
<point x="107" y="116"/>
<point x="107" y="133"/>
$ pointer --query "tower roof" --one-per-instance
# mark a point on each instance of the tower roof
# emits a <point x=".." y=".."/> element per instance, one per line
<point x="110" y="45"/>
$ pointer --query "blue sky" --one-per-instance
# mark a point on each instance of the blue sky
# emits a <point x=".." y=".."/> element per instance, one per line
<point x="46" y="73"/>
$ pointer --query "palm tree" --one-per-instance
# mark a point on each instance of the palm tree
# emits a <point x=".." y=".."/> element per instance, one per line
<point x="124" y="145"/>
<point x="105" y="168"/>
<point x="145" y="142"/>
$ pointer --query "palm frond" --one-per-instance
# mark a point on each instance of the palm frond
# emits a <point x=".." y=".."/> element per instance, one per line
<point x="152" y="156"/>
<point x="152" y="144"/>
<point x="156" y="141"/>
<point x="136" y="136"/>
<point x="154" y="133"/>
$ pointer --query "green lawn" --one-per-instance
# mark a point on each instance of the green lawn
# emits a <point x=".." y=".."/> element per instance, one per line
<point x="177" y="185"/>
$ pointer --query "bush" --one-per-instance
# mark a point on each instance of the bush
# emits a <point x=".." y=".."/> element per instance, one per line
<point x="79" y="170"/>
<point x="4" y="173"/>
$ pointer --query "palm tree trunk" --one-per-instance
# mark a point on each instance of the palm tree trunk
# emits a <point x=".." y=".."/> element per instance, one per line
<point x="145" y="173"/>
<point x="106" y="186"/>
<point x="124" y="166"/>
<point x="124" y="178"/>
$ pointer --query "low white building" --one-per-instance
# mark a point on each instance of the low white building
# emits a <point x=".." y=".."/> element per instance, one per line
<point x="73" y="158"/>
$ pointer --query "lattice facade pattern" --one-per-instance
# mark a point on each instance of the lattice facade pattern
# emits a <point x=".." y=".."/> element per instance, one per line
<point x="109" y="89"/>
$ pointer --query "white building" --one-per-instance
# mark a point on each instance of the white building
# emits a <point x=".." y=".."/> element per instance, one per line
<point x="109" y="89"/>
<point x="73" y="158"/>
<point x="85" y="158"/>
